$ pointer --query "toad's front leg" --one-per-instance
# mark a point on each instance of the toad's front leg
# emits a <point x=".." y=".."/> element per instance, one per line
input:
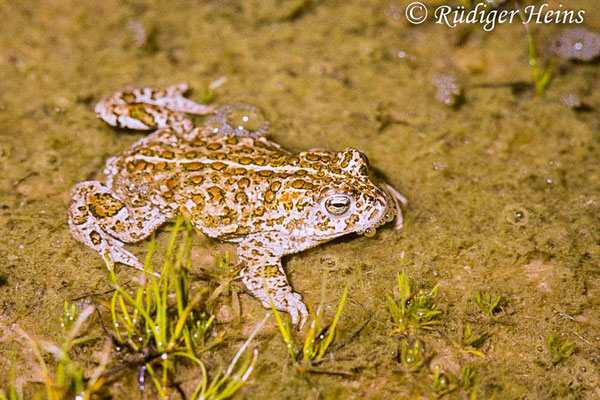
<point x="263" y="275"/>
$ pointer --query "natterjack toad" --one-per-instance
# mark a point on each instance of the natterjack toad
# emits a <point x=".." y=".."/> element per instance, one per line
<point x="232" y="184"/>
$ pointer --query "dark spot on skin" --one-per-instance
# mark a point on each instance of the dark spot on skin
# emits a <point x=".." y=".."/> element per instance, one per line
<point x="265" y="173"/>
<point x="298" y="184"/>
<point x="214" y="146"/>
<point x="140" y="112"/>
<point x="197" y="179"/>
<point x="218" y="166"/>
<point x="193" y="166"/>
<point x="216" y="195"/>
<point x="241" y="198"/>
<point x="243" y="183"/>
<point x="275" y="186"/>
<point x="95" y="238"/>
<point x="269" y="196"/>
<point x="103" y="205"/>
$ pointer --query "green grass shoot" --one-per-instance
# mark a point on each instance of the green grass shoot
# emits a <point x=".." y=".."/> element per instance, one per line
<point x="559" y="350"/>
<point x="414" y="309"/>
<point x="166" y="324"/>
<point x="319" y="337"/>
<point x="488" y="303"/>
<point x="66" y="379"/>
<point x="541" y="76"/>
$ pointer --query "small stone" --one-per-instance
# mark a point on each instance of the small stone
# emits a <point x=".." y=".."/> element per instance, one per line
<point x="138" y="32"/>
<point x="573" y="101"/>
<point x="570" y="100"/>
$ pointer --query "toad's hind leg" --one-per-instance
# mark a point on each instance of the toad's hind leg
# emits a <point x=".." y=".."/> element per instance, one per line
<point x="263" y="275"/>
<point x="150" y="108"/>
<point x="100" y="220"/>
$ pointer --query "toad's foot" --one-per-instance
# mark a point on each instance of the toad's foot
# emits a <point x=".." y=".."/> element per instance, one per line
<point x="398" y="199"/>
<point x="263" y="275"/>
<point x="150" y="108"/>
<point x="99" y="219"/>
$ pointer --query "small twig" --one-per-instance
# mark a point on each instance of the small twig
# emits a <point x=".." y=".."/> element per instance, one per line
<point x="97" y="294"/>
<point x="580" y="337"/>
<point x="328" y="372"/>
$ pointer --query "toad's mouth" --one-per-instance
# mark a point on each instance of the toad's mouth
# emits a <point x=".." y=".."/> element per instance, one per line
<point x="392" y="210"/>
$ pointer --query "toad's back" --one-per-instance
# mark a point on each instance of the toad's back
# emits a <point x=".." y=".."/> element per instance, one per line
<point x="231" y="186"/>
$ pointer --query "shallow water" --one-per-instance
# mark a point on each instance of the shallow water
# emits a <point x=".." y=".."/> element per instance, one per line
<point x="503" y="189"/>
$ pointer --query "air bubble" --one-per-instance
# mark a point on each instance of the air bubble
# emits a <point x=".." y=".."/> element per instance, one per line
<point x="239" y="120"/>
<point x="580" y="44"/>
<point x="516" y="215"/>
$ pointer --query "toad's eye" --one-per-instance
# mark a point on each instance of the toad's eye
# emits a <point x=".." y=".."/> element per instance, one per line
<point x="337" y="204"/>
